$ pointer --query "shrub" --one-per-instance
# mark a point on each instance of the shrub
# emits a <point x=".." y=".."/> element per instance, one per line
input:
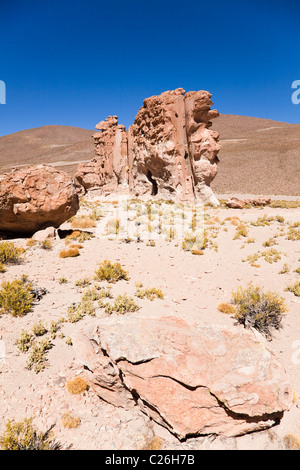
<point x="85" y="281"/>
<point x="293" y="233"/>
<point x="70" y="253"/>
<point x="259" y="310"/>
<point x="112" y="227"/>
<point x="252" y="258"/>
<point x="9" y="253"/>
<point x="150" y="293"/>
<point x="262" y="221"/>
<point x="285" y="269"/>
<point x="39" y="329"/>
<point x="24" y="436"/>
<point x="74" y="314"/>
<point x="46" y="244"/>
<point x="54" y="327"/>
<point x="241" y="231"/>
<point x="295" y="288"/>
<point x="79" y="236"/>
<point x="24" y="342"/>
<point x="270" y="242"/>
<point x="111" y="272"/>
<point x="37" y="359"/>
<point x="123" y="304"/>
<point x="16" y="297"/>
<point x="76" y="385"/>
<point x="91" y="294"/>
<point x="194" y="242"/>
<point x="85" y="307"/>
<point x="272" y="255"/>
<point x="68" y="421"/>
<point x="31" y="242"/>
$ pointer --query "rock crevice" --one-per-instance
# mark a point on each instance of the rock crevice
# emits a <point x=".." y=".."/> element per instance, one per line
<point x="191" y="379"/>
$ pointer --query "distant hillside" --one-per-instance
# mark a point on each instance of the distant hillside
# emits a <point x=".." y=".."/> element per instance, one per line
<point x="48" y="144"/>
<point x="258" y="156"/>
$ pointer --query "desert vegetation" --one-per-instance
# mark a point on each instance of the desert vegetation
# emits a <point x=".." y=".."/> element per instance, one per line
<point x="123" y="275"/>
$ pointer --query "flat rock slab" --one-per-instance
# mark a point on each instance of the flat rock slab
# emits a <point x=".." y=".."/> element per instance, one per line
<point x="192" y="379"/>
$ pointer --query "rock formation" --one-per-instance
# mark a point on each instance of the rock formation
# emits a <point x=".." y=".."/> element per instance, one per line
<point x="191" y="379"/>
<point x="35" y="198"/>
<point x="235" y="203"/>
<point x="169" y="151"/>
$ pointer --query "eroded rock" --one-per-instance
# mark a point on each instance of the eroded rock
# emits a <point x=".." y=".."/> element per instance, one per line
<point x="192" y="379"/>
<point x="34" y="198"/>
<point x="169" y="151"/>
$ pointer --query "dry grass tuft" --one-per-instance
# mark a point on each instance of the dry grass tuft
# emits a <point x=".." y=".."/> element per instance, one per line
<point x="224" y="307"/>
<point x="69" y="421"/>
<point x="70" y="253"/>
<point x="77" y="385"/>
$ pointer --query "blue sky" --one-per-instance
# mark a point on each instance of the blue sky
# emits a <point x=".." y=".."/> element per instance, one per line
<point x="76" y="62"/>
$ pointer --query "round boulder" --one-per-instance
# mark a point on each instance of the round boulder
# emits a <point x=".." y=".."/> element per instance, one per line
<point x="35" y="198"/>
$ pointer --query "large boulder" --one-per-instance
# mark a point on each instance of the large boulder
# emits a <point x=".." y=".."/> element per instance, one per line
<point x="192" y="379"/>
<point x="169" y="151"/>
<point x="35" y="198"/>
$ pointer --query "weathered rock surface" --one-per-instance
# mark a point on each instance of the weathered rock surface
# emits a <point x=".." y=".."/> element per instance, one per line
<point x="109" y="169"/>
<point x="191" y="379"/>
<point x="35" y="198"/>
<point x="169" y="151"/>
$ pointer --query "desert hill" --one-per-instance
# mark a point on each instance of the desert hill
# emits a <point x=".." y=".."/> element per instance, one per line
<point x="258" y="156"/>
<point x="55" y="145"/>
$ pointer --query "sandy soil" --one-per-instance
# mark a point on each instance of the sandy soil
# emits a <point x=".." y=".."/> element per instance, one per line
<point x="193" y="285"/>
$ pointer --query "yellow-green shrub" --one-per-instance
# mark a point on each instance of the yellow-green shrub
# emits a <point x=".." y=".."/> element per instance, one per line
<point x="111" y="272"/>
<point x="257" y="309"/>
<point x="9" y="253"/>
<point x="23" y="435"/>
<point x="16" y="297"/>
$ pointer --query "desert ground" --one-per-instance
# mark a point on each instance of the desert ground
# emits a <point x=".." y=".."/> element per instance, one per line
<point x="257" y="244"/>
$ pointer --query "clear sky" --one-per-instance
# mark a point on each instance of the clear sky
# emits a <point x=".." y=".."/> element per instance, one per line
<point x="76" y="62"/>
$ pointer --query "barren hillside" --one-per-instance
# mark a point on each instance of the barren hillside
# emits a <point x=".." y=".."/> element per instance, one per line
<point x="258" y="156"/>
<point x="58" y="145"/>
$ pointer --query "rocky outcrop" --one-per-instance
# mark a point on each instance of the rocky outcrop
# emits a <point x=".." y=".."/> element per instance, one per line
<point x="35" y="198"/>
<point x="235" y="203"/>
<point x="169" y="151"/>
<point x="192" y="379"/>
<point x="109" y="169"/>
